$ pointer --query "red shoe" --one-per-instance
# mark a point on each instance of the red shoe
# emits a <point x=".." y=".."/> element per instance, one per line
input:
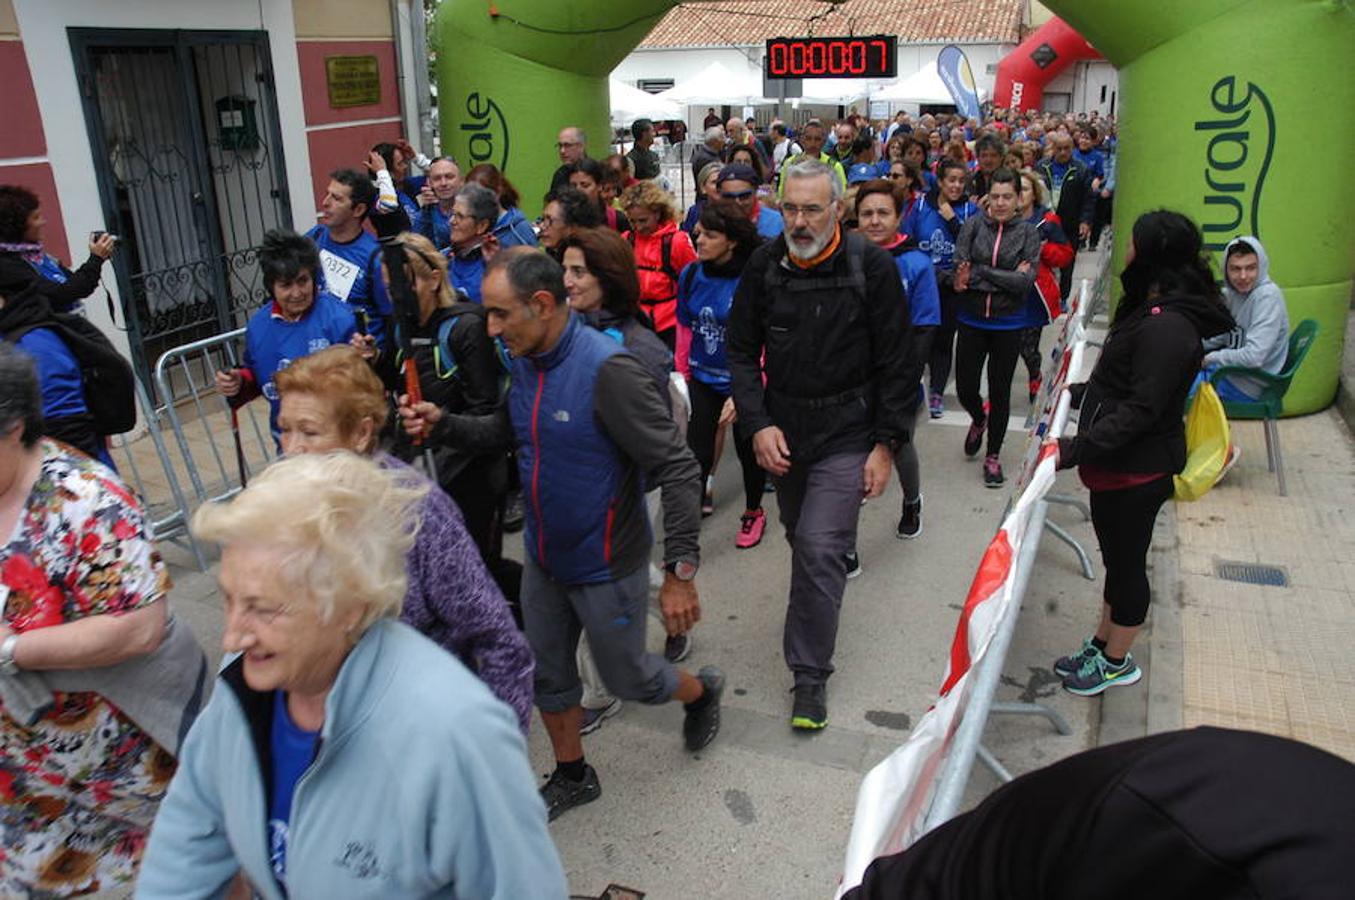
<point x="751" y="526"/>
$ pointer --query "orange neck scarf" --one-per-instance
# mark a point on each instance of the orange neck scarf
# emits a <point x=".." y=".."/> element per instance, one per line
<point x="823" y="255"/>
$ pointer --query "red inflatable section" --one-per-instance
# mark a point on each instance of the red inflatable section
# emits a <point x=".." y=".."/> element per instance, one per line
<point x="1038" y="60"/>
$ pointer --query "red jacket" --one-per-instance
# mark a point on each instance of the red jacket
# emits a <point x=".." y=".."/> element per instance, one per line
<point x="1055" y="253"/>
<point x="658" y="276"/>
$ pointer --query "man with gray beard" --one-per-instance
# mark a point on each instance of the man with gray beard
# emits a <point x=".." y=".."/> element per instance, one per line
<point x="820" y="314"/>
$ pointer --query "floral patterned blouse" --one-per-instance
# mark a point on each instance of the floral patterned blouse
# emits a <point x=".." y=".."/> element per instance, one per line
<point x="78" y="788"/>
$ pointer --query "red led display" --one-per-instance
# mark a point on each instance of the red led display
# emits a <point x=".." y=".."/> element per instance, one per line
<point x="872" y="56"/>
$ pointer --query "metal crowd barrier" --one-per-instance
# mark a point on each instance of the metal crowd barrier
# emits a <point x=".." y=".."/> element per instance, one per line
<point x="201" y="418"/>
<point x="168" y="515"/>
<point x="968" y="741"/>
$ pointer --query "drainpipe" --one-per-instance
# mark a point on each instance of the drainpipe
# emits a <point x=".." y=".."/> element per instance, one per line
<point x="397" y="30"/>
<point x="422" y="95"/>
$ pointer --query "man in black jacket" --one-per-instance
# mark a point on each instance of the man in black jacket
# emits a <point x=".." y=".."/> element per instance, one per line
<point x="1070" y="190"/>
<point x="821" y="314"/>
<point x="1184" y="814"/>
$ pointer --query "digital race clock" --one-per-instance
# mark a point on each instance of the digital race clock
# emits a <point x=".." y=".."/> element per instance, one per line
<point x="872" y="56"/>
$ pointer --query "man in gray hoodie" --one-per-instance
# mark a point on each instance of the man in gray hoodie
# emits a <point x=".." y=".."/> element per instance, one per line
<point x="1261" y="338"/>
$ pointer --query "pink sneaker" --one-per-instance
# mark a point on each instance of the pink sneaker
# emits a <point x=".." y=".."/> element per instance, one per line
<point x="751" y="526"/>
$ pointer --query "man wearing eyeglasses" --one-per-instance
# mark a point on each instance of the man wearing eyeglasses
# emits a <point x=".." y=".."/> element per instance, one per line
<point x="739" y="183"/>
<point x="820" y="314"/>
<point x="572" y="145"/>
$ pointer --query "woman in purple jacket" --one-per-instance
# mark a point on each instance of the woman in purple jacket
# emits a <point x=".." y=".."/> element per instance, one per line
<point x="332" y="400"/>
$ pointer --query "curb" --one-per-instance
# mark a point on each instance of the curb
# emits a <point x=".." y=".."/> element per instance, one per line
<point x="1345" y="384"/>
<point x="1156" y="704"/>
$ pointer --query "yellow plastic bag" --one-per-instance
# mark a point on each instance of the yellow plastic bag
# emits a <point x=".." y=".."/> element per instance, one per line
<point x="1207" y="442"/>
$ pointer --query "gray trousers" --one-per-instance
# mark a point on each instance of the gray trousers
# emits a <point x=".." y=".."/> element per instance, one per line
<point x="613" y="616"/>
<point x="820" y="504"/>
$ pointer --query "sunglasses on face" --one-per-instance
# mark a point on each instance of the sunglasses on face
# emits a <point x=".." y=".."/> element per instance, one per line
<point x="741" y="195"/>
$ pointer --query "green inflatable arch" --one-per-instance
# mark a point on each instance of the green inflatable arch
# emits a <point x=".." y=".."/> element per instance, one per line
<point x="512" y="73"/>
<point x="1241" y="114"/>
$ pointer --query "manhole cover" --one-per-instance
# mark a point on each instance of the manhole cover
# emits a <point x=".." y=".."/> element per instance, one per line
<point x="1252" y="573"/>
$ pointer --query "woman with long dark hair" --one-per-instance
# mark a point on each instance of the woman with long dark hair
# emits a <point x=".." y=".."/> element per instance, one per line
<point x="1131" y="438"/>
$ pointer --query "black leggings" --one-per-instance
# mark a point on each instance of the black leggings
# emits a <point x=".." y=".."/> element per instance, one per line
<point x="1123" y="521"/>
<point x="1030" y="350"/>
<point x="943" y="341"/>
<point x="705" y="421"/>
<point x="1001" y="350"/>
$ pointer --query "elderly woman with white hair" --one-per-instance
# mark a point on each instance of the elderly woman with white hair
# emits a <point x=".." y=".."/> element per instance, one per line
<point x="342" y="754"/>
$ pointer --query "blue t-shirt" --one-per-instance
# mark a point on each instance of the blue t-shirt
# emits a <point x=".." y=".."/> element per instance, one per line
<point x="271" y="342"/>
<point x="770" y="224"/>
<point x="919" y="284"/>
<point x="932" y="233"/>
<point x="1094" y="160"/>
<point x="63" y="390"/>
<point x="1033" y="315"/>
<point x="703" y="303"/>
<point x="352" y="272"/>
<point x="466" y="273"/>
<point x="292" y="750"/>
<point x="51" y="269"/>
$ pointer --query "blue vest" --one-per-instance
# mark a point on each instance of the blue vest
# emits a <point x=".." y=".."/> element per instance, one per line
<point x="571" y="471"/>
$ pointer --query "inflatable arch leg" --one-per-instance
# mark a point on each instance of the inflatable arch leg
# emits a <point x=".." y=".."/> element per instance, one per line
<point x="512" y="73"/>
<point x="1038" y="60"/>
<point x="1221" y="101"/>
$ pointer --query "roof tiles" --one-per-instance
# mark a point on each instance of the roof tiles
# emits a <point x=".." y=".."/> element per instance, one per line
<point x="744" y="22"/>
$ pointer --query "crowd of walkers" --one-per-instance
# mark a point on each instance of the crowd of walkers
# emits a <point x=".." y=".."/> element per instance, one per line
<point x="432" y="360"/>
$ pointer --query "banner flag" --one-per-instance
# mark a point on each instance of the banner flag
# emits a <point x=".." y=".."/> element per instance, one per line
<point x="953" y="66"/>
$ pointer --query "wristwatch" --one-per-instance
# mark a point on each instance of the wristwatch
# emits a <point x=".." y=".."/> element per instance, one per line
<point x="7" y="663"/>
<point x="682" y="570"/>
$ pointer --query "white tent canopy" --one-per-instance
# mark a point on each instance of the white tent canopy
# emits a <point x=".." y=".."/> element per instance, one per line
<point x="836" y="90"/>
<point x="715" y="85"/>
<point x="630" y="103"/>
<point x="923" y="86"/>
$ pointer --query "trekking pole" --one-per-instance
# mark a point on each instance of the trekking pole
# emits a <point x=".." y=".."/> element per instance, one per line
<point x="235" y="427"/>
<point x="407" y="319"/>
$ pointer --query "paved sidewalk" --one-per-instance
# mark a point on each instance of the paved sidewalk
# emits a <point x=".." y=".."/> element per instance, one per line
<point x="1264" y="658"/>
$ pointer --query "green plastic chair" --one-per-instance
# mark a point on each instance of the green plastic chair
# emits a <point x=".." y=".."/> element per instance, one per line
<point x="1271" y="402"/>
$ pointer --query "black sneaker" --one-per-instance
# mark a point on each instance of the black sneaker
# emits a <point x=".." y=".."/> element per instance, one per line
<point x="853" y="562"/>
<point x="700" y="726"/>
<point x="910" y="522"/>
<point x="810" y="710"/>
<point x="677" y="647"/>
<point x="561" y="793"/>
<point x="514" y="512"/>
<point x="992" y="471"/>
<point x="974" y="437"/>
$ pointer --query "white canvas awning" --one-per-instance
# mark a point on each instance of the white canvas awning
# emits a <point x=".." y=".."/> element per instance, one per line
<point x="836" y="90"/>
<point x="923" y="86"/>
<point x="629" y="103"/>
<point x="716" y="84"/>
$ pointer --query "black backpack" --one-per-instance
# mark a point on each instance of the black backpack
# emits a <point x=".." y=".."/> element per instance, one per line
<point x="108" y="379"/>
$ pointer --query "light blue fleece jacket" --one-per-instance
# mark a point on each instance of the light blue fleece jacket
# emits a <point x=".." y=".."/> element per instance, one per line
<point x="420" y="788"/>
